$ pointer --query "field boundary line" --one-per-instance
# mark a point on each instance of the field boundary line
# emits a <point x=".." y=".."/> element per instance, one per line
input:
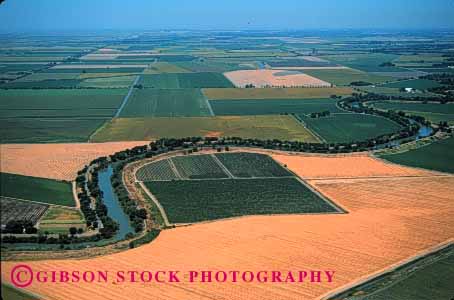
<point x="210" y="108"/>
<point x="126" y="98"/>
<point x="386" y="270"/>
<point x="156" y="202"/>
<point x="311" y="131"/>
<point x="74" y="190"/>
<point x="43" y="203"/>
<point x="224" y="168"/>
<point x="258" y="216"/>
<point x="314" y="190"/>
<point x="173" y="167"/>
<point x="385" y="161"/>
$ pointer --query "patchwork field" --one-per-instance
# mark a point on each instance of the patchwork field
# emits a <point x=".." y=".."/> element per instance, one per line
<point x="274" y="78"/>
<point x="404" y="221"/>
<point x="275" y="93"/>
<point x="36" y="189"/>
<point x="261" y="127"/>
<point x="59" y="220"/>
<point x="240" y="107"/>
<point x="350" y="127"/>
<point x="166" y="103"/>
<point x="437" y="156"/>
<point x="66" y="159"/>
<point x="185" y="80"/>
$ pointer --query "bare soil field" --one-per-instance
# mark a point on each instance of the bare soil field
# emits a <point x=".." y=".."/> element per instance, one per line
<point x="348" y="166"/>
<point x="56" y="161"/>
<point x="389" y="220"/>
<point x="273" y="78"/>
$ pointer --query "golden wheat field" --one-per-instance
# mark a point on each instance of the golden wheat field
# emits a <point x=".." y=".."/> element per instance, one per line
<point x="56" y="161"/>
<point x="382" y="227"/>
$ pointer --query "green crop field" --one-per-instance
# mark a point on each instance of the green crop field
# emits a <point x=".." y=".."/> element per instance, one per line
<point x="164" y="67"/>
<point x="210" y="65"/>
<point x="47" y="130"/>
<point x="438" y="156"/>
<point x="185" y="80"/>
<point x="108" y="82"/>
<point x="96" y="70"/>
<point x="433" y="112"/>
<point x="347" y="76"/>
<point x="60" y="103"/>
<point x="198" y="167"/>
<point x="428" y="278"/>
<point x="369" y="62"/>
<point x="350" y="127"/>
<point x="247" y="165"/>
<point x="188" y="201"/>
<point x="420" y="84"/>
<point x="275" y="93"/>
<point x="260" y="127"/>
<point x="160" y="170"/>
<point x="166" y="103"/>
<point x="49" y="76"/>
<point x="43" y="84"/>
<point x="11" y="293"/>
<point x="272" y="106"/>
<point x="416" y="107"/>
<point x="36" y="189"/>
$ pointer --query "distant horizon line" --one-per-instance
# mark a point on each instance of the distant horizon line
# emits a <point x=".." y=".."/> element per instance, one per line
<point x="178" y="29"/>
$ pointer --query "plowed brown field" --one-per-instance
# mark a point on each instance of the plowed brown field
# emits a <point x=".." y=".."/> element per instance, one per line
<point x="273" y="78"/>
<point x="56" y="161"/>
<point x="389" y="220"/>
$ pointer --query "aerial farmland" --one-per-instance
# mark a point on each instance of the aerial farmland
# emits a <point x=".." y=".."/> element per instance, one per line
<point x="254" y="163"/>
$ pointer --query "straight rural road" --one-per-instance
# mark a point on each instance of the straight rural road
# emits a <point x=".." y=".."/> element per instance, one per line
<point x="153" y="198"/>
<point x="125" y="100"/>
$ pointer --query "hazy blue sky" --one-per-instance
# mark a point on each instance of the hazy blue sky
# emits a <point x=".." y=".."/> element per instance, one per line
<point x="224" y="14"/>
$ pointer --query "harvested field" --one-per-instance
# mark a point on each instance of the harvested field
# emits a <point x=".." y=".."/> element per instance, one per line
<point x="261" y="127"/>
<point x="275" y="93"/>
<point x="56" y="161"/>
<point x="273" y="78"/>
<point x="348" y="166"/>
<point x="383" y="226"/>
